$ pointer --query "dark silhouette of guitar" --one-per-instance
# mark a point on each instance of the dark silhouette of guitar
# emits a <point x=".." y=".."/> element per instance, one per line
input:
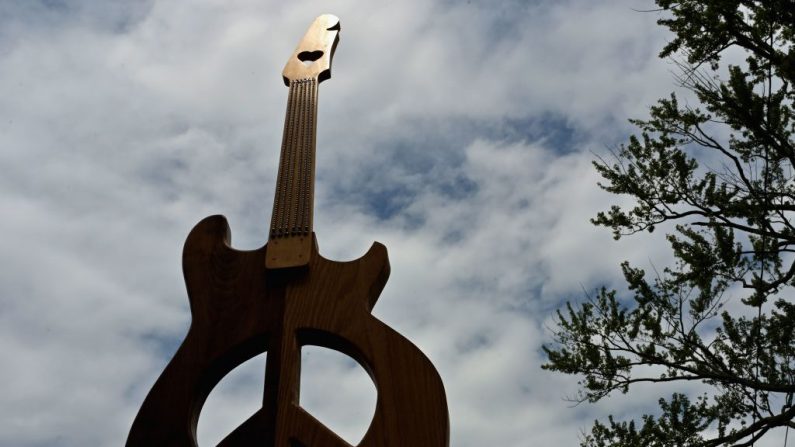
<point x="284" y="296"/>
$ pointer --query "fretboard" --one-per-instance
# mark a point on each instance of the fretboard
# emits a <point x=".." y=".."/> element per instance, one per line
<point x="292" y="204"/>
<point x="291" y="222"/>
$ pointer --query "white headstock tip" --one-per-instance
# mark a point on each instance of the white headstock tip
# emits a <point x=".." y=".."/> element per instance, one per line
<point x="312" y="56"/>
<point x="331" y="21"/>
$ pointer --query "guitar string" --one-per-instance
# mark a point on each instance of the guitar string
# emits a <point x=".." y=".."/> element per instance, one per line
<point x="285" y="157"/>
<point x="283" y="166"/>
<point x="292" y="213"/>
<point x="279" y="195"/>
<point x="300" y="180"/>
<point x="307" y="158"/>
<point x="294" y="156"/>
<point x="294" y="120"/>
<point x="287" y="152"/>
<point x="310" y="169"/>
<point x="300" y="163"/>
<point x="294" y="143"/>
<point x="296" y="202"/>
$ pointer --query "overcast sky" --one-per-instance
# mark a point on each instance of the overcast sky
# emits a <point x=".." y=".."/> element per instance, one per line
<point x="459" y="134"/>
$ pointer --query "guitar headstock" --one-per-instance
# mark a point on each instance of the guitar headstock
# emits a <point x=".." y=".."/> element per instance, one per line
<point x="312" y="56"/>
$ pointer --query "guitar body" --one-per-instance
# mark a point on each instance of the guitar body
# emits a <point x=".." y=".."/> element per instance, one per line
<point x="240" y="309"/>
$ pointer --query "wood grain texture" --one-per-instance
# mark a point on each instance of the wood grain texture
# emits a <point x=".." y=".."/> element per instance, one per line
<point x="240" y="309"/>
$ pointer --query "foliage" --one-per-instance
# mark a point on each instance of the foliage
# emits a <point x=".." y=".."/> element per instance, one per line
<point x="732" y="241"/>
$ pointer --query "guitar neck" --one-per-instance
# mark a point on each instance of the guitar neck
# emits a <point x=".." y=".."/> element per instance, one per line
<point x="294" y="197"/>
<point x="290" y="242"/>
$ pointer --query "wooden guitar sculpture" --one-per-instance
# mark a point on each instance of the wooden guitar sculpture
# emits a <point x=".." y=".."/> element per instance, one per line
<point x="284" y="296"/>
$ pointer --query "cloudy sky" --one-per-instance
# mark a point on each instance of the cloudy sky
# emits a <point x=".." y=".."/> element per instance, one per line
<point x="459" y="134"/>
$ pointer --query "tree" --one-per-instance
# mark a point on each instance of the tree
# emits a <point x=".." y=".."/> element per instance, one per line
<point x="722" y="315"/>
